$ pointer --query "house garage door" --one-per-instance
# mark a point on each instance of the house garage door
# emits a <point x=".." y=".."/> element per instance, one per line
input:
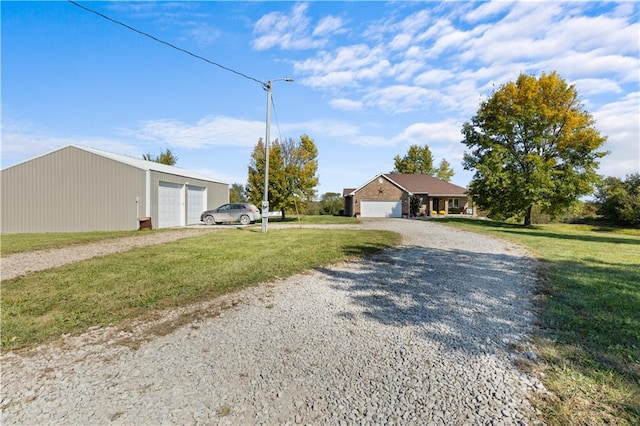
<point x="196" y="203"/>
<point x="170" y="205"/>
<point x="381" y="209"/>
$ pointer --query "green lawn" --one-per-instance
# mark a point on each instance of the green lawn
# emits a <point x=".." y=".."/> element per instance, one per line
<point x="19" y="243"/>
<point x="589" y="337"/>
<point x="124" y="286"/>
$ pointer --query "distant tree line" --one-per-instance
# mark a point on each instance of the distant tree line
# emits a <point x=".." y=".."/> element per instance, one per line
<point x="618" y="201"/>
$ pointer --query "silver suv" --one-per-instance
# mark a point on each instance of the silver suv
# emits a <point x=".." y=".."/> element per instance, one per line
<point x="245" y="213"/>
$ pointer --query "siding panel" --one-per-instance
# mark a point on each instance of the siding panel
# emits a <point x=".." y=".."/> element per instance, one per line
<point x="71" y="190"/>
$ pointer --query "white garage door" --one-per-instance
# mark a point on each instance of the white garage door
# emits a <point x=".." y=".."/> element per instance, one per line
<point x="196" y="203"/>
<point x="381" y="209"/>
<point x="170" y="205"/>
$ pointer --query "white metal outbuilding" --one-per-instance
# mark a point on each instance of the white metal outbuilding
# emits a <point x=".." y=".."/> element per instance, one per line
<point x="75" y="189"/>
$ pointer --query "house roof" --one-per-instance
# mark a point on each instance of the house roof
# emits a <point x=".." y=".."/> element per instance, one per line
<point x="139" y="163"/>
<point x="416" y="184"/>
<point x="425" y="184"/>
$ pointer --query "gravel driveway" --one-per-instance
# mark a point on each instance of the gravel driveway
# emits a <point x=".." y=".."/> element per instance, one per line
<point x="427" y="333"/>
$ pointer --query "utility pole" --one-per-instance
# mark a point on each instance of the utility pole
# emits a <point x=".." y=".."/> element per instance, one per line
<point x="265" y="197"/>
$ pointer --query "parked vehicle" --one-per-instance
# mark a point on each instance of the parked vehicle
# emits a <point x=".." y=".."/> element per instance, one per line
<point x="245" y="213"/>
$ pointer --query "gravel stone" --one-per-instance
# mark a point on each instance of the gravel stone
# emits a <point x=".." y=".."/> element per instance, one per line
<point x="419" y="334"/>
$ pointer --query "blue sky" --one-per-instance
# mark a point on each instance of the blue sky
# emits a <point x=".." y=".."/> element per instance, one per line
<point x="371" y="78"/>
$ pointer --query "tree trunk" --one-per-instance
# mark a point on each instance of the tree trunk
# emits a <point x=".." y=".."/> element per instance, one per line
<point x="282" y="215"/>
<point x="527" y="216"/>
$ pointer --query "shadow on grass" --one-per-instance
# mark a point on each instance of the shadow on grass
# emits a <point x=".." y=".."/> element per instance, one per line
<point x="473" y="302"/>
<point x="590" y="312"/>
<point x="596" y="308"/>
<point x="482" y="223"/>
<point x="539" y="231"/>
<point x="585" y="238"/>
<point x="365" y="249"/>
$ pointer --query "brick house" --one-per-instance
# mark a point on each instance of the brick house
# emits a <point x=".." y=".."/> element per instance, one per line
<point x="388" y="195"/>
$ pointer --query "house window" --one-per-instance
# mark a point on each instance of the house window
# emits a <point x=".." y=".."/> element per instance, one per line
<point x="453" y="203"/>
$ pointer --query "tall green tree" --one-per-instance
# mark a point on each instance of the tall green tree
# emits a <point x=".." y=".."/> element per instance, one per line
<point x="444" y="171"/>
<point x="237" y="193"/>
<point x="331" y="203"/>
<point x="293" y="168"/>
<point x="418" y="160"/>
<point x="166" y="157"/>
<point x="619" y="200"/>
<point x="532" y="143"/>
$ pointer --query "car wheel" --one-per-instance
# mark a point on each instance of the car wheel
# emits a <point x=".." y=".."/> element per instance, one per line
<point x="245" y="220"/>
<point x="209" y="220"/>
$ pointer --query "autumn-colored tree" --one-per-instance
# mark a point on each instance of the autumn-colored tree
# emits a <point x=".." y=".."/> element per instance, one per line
<point x="293" y="168"/>
<point x="444" y="171"/>
<point x="532" y="143"/>
<point x="166" y="157"/>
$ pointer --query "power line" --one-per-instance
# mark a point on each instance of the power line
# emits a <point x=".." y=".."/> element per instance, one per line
<point x="165" y="42"/>
<point x="273" y="105"/>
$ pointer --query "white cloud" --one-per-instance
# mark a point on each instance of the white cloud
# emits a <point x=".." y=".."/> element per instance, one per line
<point x="416" y="22"/>
<point x="399" y="98"/>
<point x="586" y="33"/>
<point x="346" y="104"/>
<point x="342" y="131"/>
<point x="577" y="65"/>
<point x="400" y="42"/>
<point x="595" y="86"/>
<point x="293" y="31"/>
<point x="346" y="67"/>
<point x="487" y="10"/>
<point x="332" y="80"/>
<point x="210" y="131"/>
<point x="433" y="77"/>
<point x="405" y="70"/>
<point x="329" y="25"/>
<point x="446" y="132"/>
<point x="619" y="121"/>
<point x="355" y="57"/>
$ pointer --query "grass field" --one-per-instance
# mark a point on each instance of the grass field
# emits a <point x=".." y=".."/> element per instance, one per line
<point x="124" y="286"/>
<point x="589" y="337"/>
